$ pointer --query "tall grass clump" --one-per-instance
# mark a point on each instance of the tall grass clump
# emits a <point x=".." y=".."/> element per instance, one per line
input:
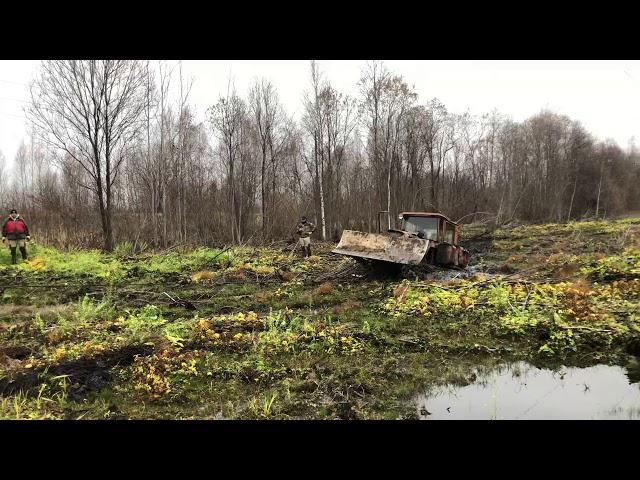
<point x="83" y="263"/>
<point x="201" y="258"/>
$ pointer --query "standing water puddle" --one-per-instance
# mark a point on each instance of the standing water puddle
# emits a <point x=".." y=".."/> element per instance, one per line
<point x="522" y="391"/>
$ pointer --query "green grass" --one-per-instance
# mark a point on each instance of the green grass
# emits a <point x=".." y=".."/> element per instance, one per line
<point x="294" y="349"/>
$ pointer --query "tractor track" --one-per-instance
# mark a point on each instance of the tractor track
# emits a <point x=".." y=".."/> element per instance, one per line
<point x="84" y="375"/>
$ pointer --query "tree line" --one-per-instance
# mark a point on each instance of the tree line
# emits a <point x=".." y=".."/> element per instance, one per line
<point x="113" y="157"/>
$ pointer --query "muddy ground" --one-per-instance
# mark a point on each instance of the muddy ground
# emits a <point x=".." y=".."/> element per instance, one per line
<point x="261" y="333"/>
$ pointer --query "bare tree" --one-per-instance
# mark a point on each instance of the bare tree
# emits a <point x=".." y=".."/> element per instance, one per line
<point x="386" y="100"/>
<point x="314" y="122"/>
<point x="3" y="179"/>
<point x="90" y="109"/>
<point x="226" y="118"/>
<point x="266" y="116"/>
<point x="22" y="174"/>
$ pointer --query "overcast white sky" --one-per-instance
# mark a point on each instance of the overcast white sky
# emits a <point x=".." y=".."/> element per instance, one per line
<point x="604" y="95"/>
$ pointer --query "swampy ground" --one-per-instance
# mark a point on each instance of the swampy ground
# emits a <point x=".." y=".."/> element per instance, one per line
<point x="257" y="333"/>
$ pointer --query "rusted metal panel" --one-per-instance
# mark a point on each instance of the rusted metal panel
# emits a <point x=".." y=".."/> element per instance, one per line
<point x="445" y="254"/>
<point x="405" y="249"/>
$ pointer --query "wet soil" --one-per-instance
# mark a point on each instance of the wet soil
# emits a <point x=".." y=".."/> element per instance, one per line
<point x="84" y="375"/>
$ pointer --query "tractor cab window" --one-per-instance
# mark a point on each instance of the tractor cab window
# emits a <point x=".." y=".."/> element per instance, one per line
<point x="448" y="234"/>
<point x="428" y="226"/>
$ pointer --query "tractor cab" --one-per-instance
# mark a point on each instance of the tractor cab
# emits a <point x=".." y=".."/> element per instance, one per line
<point x="443" y="232"/>
<point x="430" y="226"/>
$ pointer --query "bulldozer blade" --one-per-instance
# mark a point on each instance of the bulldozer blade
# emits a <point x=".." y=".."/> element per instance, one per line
<point x="375" y="246"/>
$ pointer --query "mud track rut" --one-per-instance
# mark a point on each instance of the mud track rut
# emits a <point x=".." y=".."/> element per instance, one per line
<point x="84" y="374"/>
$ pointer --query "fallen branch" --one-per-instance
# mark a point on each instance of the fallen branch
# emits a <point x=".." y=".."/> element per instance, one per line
<point x="172" y="299"/>
<point x="221" y="252"/>
<point x="579" y="327"/>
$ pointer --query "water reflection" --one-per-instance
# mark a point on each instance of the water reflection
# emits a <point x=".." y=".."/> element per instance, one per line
<point x="522" y="391"/>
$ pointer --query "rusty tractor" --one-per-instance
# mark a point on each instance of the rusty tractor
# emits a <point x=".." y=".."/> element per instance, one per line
<point x="422" y="239"/>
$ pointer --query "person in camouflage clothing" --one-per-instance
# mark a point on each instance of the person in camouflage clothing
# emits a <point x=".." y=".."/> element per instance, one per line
<point x="304" y="230"/>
